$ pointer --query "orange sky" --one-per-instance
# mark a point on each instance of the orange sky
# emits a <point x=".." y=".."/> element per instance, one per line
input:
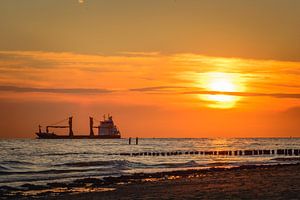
<point x="162" y="69"/>
<point x="150" y="94"/>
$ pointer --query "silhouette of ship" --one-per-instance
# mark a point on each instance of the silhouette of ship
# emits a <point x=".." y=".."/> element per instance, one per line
<point x="106" y="130"/>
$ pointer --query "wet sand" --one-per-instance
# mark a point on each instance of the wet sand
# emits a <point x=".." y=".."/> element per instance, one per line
<point x="249" y="182"/>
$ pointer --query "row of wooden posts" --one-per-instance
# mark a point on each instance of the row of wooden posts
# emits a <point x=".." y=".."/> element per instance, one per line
<point x="287" y="152"/>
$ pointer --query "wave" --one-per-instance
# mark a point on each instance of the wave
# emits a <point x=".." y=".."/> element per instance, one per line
<point x="214" y="164"/>
<point x="15" y="162"/>
<point x="3" y="168"/>
<point x="73" y="167"/>
<point x="287" y="159"/>
<point x="117" y="166"/>
<point x="114" y="163"/>
<point x="8" y="165"/>
<point x="51" y="171"/>
<point x="191" y="163"/>
<point x="68" y="153"/>
<point x="125" y="164"/>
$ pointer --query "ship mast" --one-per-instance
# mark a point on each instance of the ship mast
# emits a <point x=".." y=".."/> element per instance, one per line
<point x="70" y="126"/>
<point x="91" y="127"/>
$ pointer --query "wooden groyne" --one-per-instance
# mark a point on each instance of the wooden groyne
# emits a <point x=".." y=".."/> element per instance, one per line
<point x="282" y="152"/>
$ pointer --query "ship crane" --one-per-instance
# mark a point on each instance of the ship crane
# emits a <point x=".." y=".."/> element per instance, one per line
<point x="64" y="126"/>
<point x="92" y="134"/>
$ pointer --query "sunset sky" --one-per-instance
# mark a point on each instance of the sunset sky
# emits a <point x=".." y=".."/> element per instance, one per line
<point x="162" y="68"/>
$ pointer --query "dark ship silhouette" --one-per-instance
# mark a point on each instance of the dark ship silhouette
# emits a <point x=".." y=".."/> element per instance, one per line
<point x="106" y="130"/>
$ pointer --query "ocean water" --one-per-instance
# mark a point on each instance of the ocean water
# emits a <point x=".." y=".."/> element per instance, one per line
<point x="37" y="161"/>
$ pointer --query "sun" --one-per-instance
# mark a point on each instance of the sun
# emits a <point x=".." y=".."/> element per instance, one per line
<point x="221" y="82"/>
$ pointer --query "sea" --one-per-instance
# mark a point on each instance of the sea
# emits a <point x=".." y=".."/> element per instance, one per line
<point x="38" y="161"/>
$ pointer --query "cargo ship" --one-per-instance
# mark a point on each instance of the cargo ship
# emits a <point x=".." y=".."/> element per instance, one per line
<point x="106" y="130"/>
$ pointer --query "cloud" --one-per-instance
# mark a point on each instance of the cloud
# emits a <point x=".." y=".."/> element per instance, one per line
<point x="157" y="88"/>
<point x="66" y="70"/>
<point x="55" y="90"/>
<point x="148" y="72"/>
<point x="146" y="54"/>
<point x="248" y="94"/>
<point x="44" y="60"/>
<point x="191" y="90"/>
<point x="175" y="90"/>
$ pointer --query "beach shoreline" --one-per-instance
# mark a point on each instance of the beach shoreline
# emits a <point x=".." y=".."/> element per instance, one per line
<point x="249" y="181"/>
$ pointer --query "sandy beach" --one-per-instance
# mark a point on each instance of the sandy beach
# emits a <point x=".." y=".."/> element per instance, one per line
<point x="254" y="183"/>
<point x="247" y="182"/>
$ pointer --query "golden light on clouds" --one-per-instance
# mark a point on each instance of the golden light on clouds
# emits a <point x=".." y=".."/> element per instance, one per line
<point x="167" y="90"/>
<point x="221" y="82"/>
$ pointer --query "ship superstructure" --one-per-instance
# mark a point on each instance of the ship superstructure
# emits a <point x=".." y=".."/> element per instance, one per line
<point x="106" y="130"/>
<point x="107" y="127"/>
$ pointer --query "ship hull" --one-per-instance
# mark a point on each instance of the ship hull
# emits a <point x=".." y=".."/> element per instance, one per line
<point x="54" y="136"/>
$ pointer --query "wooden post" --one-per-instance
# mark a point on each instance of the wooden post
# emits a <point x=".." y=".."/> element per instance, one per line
<point x="248" y="152"/>
<point x="280" y="151"/>
<point x="136" y="141"/>
<point x="266" y="152"/>
<point x="129" y="141"/>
